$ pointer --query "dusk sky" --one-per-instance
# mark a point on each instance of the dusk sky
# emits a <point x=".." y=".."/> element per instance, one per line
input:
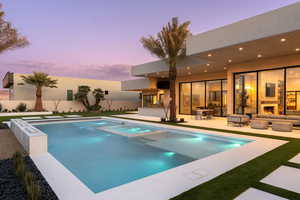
<point x="100" y="39"/>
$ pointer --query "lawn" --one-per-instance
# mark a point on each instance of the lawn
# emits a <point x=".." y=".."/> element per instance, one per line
<point x="234" y="182"/>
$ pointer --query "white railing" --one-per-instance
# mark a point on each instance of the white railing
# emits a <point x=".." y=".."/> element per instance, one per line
<point x="34" y="141"/>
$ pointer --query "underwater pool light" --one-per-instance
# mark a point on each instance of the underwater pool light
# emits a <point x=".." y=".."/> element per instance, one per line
<point x="169" y="154"/>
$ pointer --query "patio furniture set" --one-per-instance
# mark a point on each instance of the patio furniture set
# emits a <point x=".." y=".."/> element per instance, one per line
<point x="280" y="123"/>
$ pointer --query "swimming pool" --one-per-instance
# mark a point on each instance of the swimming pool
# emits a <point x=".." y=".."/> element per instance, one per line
<point x="103" y="160"/>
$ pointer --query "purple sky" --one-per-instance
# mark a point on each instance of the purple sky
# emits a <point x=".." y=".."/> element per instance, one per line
<point x="100" y="39"/>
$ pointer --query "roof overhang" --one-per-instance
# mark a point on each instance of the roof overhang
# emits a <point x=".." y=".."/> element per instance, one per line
<point x="276" y="22"/>
<point x="247" y="40"/>
<point x="161" y="66"/>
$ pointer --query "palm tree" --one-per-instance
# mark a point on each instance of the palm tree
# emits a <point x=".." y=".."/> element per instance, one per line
<point x="169" y="45"/>
<point x="9" y="37"/>
<point x="39" y="80"/>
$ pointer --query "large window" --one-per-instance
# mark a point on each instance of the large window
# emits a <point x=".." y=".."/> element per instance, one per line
<point x="185" y="98"/>
<point x="198" y="96"/>
<point x="245" y="93"/>
<point x="214" y="96"/>
<point x="271" y="92"/>
<point x="293" y="91"/>
<point x="149" y="100"/>
<point x="203" y="95"/>
<point x="275" y="91"/>
<point x="224" y="97"/>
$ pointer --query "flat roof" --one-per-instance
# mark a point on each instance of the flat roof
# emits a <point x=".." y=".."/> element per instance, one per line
<point x="276" y="22"/>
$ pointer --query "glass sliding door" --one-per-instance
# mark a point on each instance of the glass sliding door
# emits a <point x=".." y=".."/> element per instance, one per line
<point x="198" y="96"/>
<point x="271" y="92"/>
<point x="245" y="93"/>
<point x="293" y="91"/>
<point x="213" y="96"/>
<point x="185" y="98"/>
<point x="224" y="97"/>
<point x="149" y="100"/>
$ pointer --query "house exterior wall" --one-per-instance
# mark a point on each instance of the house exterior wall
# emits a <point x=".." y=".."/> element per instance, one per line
<point x="27" y="92"/>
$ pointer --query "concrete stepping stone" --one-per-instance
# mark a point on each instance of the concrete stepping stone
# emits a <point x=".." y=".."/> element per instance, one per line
<point x="296" y="159"/>
<point x="284" y="177"/>
<point x="252" y="194"/>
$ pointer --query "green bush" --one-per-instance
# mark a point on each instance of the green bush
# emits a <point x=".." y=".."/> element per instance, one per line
<point x="1" y="107"/>
<point x="22" y="107"/>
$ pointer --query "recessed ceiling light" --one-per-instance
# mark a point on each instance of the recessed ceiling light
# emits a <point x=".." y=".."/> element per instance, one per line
<point x="259" y="55"/>
<point x="205" y="70"/>
<point x="298" y="49"/>
<point x="282" y="40"/>
<point x="209" y="55"/>
<point x="188" y="67"/>
<point x="207" y="64"/>
<point x="229" y="60"/>
<point x="241" y="49"/>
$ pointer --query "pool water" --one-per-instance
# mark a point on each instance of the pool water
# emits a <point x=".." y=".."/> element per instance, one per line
<point x="103" y="160"/>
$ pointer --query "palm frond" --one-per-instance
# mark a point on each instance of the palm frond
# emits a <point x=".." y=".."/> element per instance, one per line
<point x="169" y="43"/>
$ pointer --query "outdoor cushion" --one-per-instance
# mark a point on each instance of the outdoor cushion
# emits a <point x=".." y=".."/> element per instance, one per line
<point x="259" y="124"/>
<point x="282" y="126"/>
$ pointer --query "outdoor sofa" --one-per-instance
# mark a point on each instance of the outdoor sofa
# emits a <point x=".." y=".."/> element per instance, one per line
<point x="295" y="120"/>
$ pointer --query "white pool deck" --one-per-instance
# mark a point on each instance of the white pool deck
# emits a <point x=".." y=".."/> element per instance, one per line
<point x="161" y="186"/>
<point x="219" y="123"/>
<point x="255" y="194"/>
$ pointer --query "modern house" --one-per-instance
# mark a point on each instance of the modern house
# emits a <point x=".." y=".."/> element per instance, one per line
<point x="256" y="59"/>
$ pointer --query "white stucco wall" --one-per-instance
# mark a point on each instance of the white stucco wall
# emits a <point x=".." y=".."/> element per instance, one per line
<point x="27" y="92"/>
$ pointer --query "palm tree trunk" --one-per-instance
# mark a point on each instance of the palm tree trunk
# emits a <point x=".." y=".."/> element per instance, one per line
<point x="172" y="78"/>
<point x="38" y="101"/>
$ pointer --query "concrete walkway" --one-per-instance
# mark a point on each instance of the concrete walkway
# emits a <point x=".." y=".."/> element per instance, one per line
<point x="253" y="194"/>
<point x="8" y="144"/>
<point x="296" y="159"/>
<point x="284" y="177"/>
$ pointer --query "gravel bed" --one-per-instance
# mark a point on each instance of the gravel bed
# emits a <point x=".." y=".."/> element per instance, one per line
<point x="11" y="187"/>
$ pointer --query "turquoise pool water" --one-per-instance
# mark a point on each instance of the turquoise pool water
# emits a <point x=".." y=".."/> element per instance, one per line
<point x="103" y="160"/>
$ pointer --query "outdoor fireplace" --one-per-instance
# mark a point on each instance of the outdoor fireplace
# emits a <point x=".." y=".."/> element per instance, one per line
<point x="269" y="109"/>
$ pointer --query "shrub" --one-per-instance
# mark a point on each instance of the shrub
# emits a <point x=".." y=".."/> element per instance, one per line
<point x="22" y="107"/>
<point x="1" y="107"/>
<point x="28" y="179"/>
<point x="19" y="165"/>
<point x="32" y="187"/>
